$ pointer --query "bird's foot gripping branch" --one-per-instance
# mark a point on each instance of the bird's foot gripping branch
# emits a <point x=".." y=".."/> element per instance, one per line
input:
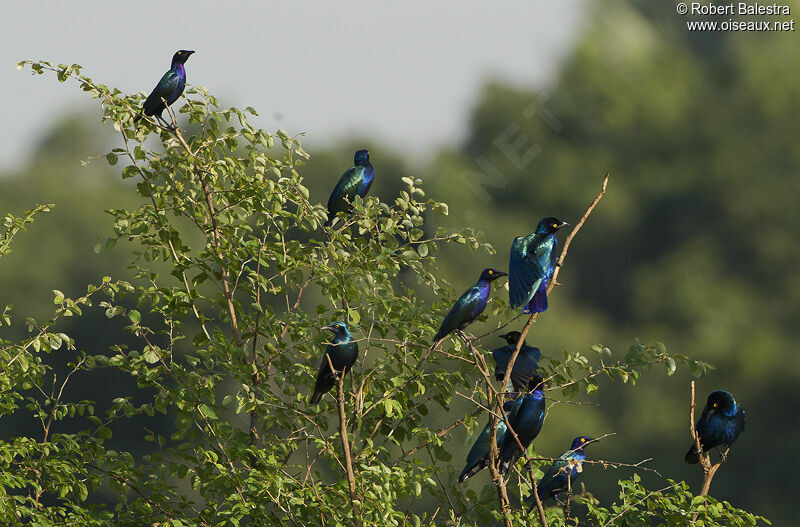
<point x="236" y="275"/>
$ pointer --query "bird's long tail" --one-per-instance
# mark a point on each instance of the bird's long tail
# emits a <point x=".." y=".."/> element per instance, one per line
<point x="137" y="118"/>
<point x="507" y="460"/>
<point x="691" y="456"/>
<point x="316" y="398"/>
<point x="436" y="341"/>
<point x="468" y="472"/>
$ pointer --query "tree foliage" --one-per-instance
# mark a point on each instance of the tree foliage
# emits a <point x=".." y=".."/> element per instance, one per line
<point x="225" y="345"/>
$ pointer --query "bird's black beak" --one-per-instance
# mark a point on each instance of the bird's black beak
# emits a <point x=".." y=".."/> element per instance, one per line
<point x="189" y="51"/>
<point x="563" y="224"/>
<point x="329" y="328"/>
<point x="500" y="273"/>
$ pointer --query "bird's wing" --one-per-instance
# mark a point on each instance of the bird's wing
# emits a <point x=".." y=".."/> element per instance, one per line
<point x="480" y="449"/>
<point x="511" y="408"/>
<point x="501" y="357"/>
<point x="530" y="417"/>
<point x="166" y="86"/>
<point x="552" y="472"/>
<point x="525" y="272"/>
<point x="524" y="367"/>
<point x="345" y="189"/>
<point x="169" y="82"/>
<point x="325" y="367"/>
<point x="344" y="354"/>
<point x="557" y="472"/>
<point x="462" y="311"/>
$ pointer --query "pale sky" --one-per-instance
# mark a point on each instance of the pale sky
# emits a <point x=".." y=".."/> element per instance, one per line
<point x="405" y="73"/>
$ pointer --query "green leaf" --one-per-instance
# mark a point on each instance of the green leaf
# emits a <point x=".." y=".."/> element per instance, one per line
<point x="58" y="297"/>
<point x="208" y="412"/>
<point x="151" y="355"/>
<point x="671" y="366"/>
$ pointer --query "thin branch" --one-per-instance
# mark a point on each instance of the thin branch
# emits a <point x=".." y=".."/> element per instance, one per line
<point x="157" y="210"/>
<point x="709" y="469"/>
<point x="348" y="461"/>
<point x="527" y="327"/>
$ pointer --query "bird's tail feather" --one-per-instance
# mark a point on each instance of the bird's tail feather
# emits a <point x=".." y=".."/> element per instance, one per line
<point x="691" y="456"/>
<point x="468" y="472"/>
<point x="506" y="462"/>
<point x="316" y="398"/>
<point x="538" y="303"/>
<point x="530" y="499"/>
<point x="437" y="340"/>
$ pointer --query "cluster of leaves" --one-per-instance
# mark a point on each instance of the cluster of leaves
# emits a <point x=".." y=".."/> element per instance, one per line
<point x="228" y="344"/>
<point x="672" y="505"/>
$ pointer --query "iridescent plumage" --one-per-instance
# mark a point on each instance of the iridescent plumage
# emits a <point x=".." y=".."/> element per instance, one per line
<point x="531" y="265"/>
<point x="343" y="352"/>
<point x="169" y="88"/>
<point x="565" y="471"/>
<point x="479" y="453"/>
<point x="356" y="181"/>
<point x="527" y="424"/>
<point x="525" y="365"/>
<point x="469" y="306"/>
<point x="720" y="424"/>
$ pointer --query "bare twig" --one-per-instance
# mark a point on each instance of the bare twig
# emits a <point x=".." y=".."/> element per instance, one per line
<point x="527" y="327"/>
<point x="253" y="362"/>
<point x="709" y="469"/>
<point x="348" y="460"/>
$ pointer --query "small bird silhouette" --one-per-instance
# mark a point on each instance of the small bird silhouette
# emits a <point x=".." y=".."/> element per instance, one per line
<point x="479" y="453"/>
<point x="469" y="306"/>
<point x="527" y="424"/>
<point x="531" y="265"/>
<point x="568" y="466"/>
<point x="343" y="351"/>
<point x="169" y="88"/>
<point x="356" y="181"/>
<point x="525" y="365"/>
<point x="720" y="424"/>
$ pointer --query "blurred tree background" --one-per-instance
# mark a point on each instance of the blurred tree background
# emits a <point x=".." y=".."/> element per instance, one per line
<point x="695" y="243"/>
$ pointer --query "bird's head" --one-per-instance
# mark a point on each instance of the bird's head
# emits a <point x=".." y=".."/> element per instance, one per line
<point x="720" y="402"/>
<point x="489" y="274"/>
<point x="181" y="56"/>
<point x="361" y="157"/>
<point x="550" y="225"/>
<point x="512" y="337"/>
<point x="581" y="441"/>
<point x="338" y="328"/>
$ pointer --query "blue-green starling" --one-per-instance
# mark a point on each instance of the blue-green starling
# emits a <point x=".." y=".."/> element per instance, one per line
<point x="531" y="265"/>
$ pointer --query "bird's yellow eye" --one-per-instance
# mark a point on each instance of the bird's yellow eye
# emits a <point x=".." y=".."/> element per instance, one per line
<point x="491" y="272"/>
<point x="715" y="405"/>
<point x="555" y="225"/>
<point x="583" y="440"/>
